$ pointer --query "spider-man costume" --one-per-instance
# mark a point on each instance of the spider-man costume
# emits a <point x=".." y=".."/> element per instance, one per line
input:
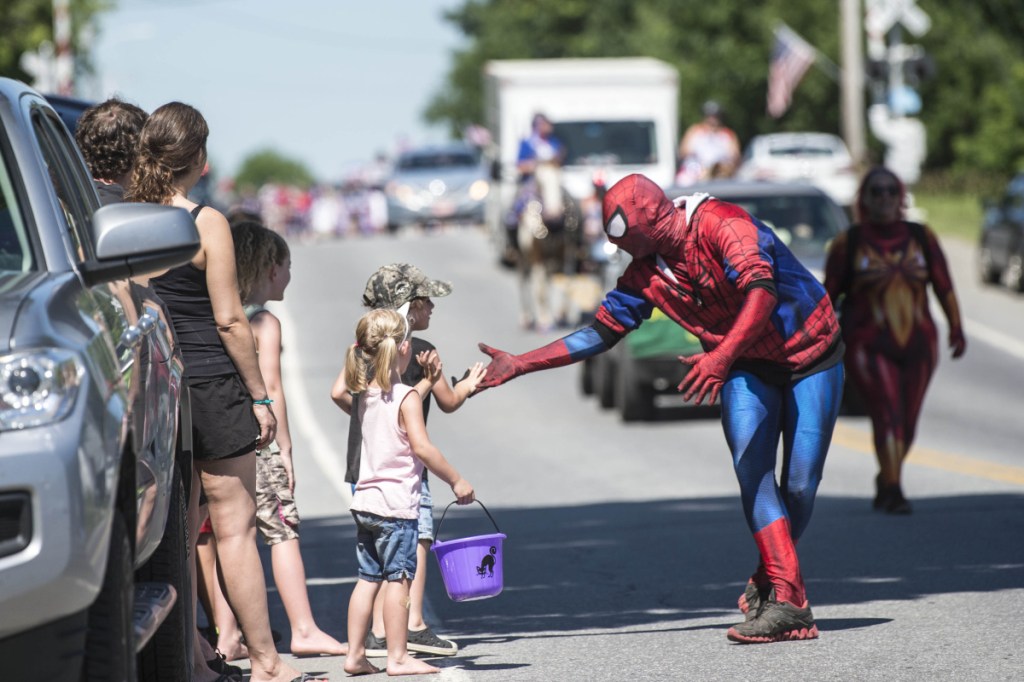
<point x="771" y="343"/>
<point x="890" y="336"/>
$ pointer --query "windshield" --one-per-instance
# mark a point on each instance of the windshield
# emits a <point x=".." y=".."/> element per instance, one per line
<point x="594" y="143"/>
<point x="15" y="252"/>
<point x="452" y="159"/>
<point x="804" y="223"/>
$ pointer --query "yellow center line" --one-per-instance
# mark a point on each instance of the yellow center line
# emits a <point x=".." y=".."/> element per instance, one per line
<point x="860" y="441"/>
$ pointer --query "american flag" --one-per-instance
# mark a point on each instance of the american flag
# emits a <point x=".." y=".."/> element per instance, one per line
<point x="791" y="57"/>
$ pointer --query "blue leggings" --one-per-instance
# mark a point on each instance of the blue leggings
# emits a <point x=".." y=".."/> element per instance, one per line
<point x="754" y="415"/>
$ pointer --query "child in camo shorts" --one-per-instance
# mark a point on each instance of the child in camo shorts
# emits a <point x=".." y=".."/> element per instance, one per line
<point x="263" y="263"/>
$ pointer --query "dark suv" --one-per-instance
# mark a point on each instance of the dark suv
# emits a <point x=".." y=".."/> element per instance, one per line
<point x="1001" y="249"/>
<point x="93" y="555"/>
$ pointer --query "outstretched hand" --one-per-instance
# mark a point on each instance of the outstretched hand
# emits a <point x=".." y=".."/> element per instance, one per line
<point x="705" y="378"/>
<point x="503" y="367"/>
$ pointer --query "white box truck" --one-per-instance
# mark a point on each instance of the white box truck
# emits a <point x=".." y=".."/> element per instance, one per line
<point x="616" y="116"/>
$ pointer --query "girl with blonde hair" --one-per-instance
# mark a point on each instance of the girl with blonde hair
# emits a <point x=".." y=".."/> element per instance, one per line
<point x="385" y="505"/>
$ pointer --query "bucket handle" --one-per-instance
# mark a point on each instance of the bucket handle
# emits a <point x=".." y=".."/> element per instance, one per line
<point x="437" y="533"/>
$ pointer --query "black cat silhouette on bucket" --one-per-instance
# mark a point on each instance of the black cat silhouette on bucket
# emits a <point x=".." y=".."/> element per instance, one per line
<point x="486" y="567"/>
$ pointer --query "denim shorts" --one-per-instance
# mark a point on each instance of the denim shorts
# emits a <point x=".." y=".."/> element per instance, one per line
<point x="385" y="548"/>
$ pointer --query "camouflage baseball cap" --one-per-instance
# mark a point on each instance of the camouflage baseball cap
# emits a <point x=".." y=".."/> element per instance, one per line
<point x="395" y="285"/>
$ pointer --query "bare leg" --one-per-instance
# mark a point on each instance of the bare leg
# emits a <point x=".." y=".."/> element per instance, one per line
<point x="360" y="609"/>
<point x="201" y="672"/>
<point x="396" y="630"/>
<point x="230" y="486"/>
<point x="418" y="587"/>
<point x="290" y="578"/>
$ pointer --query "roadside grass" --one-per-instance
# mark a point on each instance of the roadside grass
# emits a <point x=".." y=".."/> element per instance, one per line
<point x="952" y="215"/>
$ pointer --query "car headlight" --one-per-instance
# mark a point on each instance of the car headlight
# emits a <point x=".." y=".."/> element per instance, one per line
<point x="37" y="387"/>
<point x="478" y="190"/>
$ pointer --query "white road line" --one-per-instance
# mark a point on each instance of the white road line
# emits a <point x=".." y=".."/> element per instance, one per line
<point x="300" y="412"/>
<point x="993" y="337"/>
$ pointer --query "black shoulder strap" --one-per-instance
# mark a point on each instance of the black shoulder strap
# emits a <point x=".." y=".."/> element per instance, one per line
<point x="355" y="442"/>
<point x="195" y="211"/>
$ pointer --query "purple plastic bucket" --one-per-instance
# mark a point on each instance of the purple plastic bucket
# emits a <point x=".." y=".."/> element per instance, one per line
<point x="471" y="567"/>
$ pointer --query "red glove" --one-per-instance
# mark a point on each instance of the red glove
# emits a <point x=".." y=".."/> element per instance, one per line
<point x="709" y="370"/>
<point x="503" y="367"/>
<point x="707" y="374"/>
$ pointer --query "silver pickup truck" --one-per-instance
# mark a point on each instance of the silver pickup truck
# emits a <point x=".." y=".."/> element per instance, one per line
<point x="93" y="474"/>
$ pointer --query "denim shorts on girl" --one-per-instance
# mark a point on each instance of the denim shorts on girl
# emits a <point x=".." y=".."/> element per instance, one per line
<point x="385" y="548"/>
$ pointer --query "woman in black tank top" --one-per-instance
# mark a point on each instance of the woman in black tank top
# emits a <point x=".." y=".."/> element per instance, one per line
<point x="230" y="410"/>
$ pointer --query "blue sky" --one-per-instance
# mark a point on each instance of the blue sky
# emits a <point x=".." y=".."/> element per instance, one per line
<point x="328" y="82"/>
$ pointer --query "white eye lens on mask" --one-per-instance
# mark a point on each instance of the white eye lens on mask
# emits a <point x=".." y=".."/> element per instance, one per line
<point x="616" y="226"/>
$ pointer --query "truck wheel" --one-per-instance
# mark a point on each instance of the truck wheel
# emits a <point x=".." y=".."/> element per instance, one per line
<point x="1015" y="273"/>
<point x="604" y="382"/>
<point x="110" y="640"/>
<point x="167" y="657"/>
<point x="635" y="402"/>
<point x="990" y="274"/>
<point x="587" y="376"/>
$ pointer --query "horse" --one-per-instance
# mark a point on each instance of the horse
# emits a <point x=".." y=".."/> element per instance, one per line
<point x="548" y="236"/>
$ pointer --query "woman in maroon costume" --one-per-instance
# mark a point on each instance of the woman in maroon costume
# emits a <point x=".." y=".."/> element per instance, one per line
<point x="877" y="274"/>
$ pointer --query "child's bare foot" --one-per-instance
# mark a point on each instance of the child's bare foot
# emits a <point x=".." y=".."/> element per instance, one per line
<point x="360" y="666"/>
<point x="410" y="666"/>
<point x="315" y="643"/>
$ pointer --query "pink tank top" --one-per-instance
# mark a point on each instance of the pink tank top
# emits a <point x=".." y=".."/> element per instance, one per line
<point x="389" y="473"/>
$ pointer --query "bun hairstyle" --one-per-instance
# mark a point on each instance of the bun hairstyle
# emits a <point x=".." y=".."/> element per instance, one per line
<point x="379" y="333"/>
<point x="172" y="144"/>
<point x="108" y="135"/>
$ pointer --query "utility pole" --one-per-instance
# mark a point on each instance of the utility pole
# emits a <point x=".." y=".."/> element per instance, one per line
<point x="852" y="84"/>
<point x="64" y="69"/>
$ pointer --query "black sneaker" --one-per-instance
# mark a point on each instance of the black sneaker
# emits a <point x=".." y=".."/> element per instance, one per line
<point x="778" y="621"/>
<point x="751" y="601"/>
<point x="426" y="642"/>
<point x="376" y="646"/>
<point x="219" y="664"/>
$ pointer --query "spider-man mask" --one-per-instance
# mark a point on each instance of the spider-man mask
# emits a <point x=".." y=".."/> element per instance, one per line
<point x="639" y="218"/>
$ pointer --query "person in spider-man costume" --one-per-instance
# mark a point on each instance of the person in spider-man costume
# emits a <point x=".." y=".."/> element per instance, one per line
<point x="878" y="273"/>
<point x="772" y="352"/>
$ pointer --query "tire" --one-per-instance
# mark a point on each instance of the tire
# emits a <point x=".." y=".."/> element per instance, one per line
<point x="587" y="376"/>
<point x="604" y="382"/>
<point x="110" y="639"/>
<point x="1015" y="273"/>
<point x="635" y="402"/>
<point x="987" y="270"/>
<point x="167" y="657"/>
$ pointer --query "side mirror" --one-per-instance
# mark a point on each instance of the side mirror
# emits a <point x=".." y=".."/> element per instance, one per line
<point x="136" y="239"/>
<point x="496" y="170"/>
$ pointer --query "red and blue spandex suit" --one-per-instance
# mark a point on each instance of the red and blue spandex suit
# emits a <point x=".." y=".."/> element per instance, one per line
<point x="771" y="349"/>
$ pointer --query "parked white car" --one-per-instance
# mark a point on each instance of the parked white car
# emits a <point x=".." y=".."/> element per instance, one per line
<point x="820" y="159"/>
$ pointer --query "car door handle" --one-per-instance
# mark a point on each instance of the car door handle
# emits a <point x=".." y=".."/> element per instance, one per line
<point x="131" y="337"/>
<point x="147" y="323"/>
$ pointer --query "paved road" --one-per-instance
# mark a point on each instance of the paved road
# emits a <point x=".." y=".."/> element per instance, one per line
<point x="626" y="544"/>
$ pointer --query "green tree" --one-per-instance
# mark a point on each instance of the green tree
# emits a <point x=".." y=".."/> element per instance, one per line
<point x="268" y="165"/>
<point x="972" y="109"/>
<point x="27" y="23"/>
